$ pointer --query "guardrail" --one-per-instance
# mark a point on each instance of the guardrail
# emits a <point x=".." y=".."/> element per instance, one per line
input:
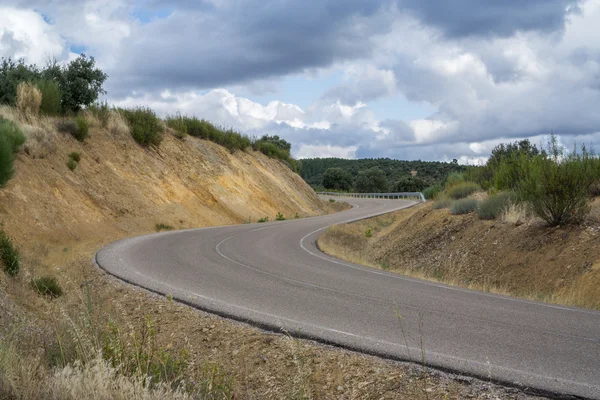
<point x="403" y="195"/>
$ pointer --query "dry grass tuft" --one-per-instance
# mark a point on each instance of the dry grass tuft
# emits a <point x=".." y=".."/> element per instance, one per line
<point x="40" y="131"/>
<point x="29" y="99"/>
<point x="117" y="125"/>
<point x="517" y="214"/>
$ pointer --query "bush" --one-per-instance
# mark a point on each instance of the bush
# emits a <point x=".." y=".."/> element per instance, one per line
<point x="13" y="134"/>
<point x="332" y="200"/>
<point x="163" y="227"/>
<point x="494" y="206"/>
<point x="47" y="286"/>
<point x="431" y="192"/>
<point x="177" y="123"/>
<point x="29" y="99"/>
<point x="145" y="127"/>
<point x="557" y="185"/>
<point x="462" y="190"/>
<point x="442" y="203"/>
<point x="75" y="156"/>
<point x="264" y="219"/>
<point x="82" y="128"/>
<point x="7" y="170"/>
<point x="463" y="206"/>
<point x="195" y="127"/>
<point x="369" y="233"/>
<point x="454" y="179"/>
<point x="279" y="217"/>
<point x="9" y="255"/>
<point x="50" y="97"/>
<point x="67" y="126"/>
<point x="72" y="164"/>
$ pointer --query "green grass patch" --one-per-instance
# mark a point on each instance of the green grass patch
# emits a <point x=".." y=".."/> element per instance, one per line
<point x="9" y="255"/>
<point x="263" y="219"/>
<point x="163" y="227"/>
<point x="47" y="286"/>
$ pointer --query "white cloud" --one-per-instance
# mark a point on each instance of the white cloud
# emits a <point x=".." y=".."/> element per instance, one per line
<point x="324" y="151"/>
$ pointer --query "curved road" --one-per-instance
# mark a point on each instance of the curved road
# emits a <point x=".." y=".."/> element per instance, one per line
<point x="272" y="275"/>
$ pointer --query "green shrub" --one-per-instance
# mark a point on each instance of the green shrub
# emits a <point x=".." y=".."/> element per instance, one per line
<point x="82" y="128"/>
<point x="177" y="123"/>
<point x="7" y="170"/>
<point x="384" y="265"/>
<point x="369" y="233"/>
<point x="67" y="126"/>
<point x="442" y="203"/>
<point x="163" y="227"/>
<point x="462" y="190"/>
<point x="51" y="97"/>
<point x="332" y="200"/>
<point x="495" y="205"/>
<point x="431" y="192"/>
<point x="13" y="134"/>
<point x="557" y="185"/>
<point x="195" y="127"/>
<point x="279" y="217"/>
<point x="75" y="156"/>
<point x="454" y="179"/>
<point x="264" y="219"/>
<point x="144" y="125"/>
<point x="463" y="206"/>
<point x="47" y="286"/>
<point x="72" y="164"/>
<point x="9" y="255"/>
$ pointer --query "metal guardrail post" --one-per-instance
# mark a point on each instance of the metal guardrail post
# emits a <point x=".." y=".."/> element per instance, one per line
<point x="401" y="195"/>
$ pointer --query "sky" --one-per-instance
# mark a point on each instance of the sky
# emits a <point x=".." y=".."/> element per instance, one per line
<point x="405" y="79"/>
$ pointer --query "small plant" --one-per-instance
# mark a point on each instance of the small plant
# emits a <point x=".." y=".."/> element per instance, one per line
<point x="431" y="192"/>
<point x="101" y="111"/>
<point x="264" y="219"/>
<point x="297" y="216"/>
<point x="145" y="127"/>
<point x="29" y="99"/>
<point x="279" y="217"/>
<point x="67" y="126"/>
<point x="463" y="206"/>
<point x="177" y="123"/>
<point x="7" y="159"/>
<point x="50" y="97"/>
<point x="13" y="134"/>
<point x="47" y="286"/>
<point x="82" y="128"/>
<point x="163" y="227"/>
<point x="369" y="233"/>
<point x="495" y="205"/>
<point x="75" y="156"/>
<point x="384" y="265"/>
<point x="442" y="203"/>
<point x="9" y="255"/>
<point x="332" y="200"/>
<point x="462" y="190"/>
<point x="72" y="164"/>
<point x="169" y="297"/>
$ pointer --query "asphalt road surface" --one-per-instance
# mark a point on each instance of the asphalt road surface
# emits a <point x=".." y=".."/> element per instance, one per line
<point x="272" y="275"/>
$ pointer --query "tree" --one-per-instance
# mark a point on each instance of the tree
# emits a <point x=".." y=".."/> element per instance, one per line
<point x="80" y="83"/>
<point x="11" y="74"/>
<point x="281" y="144"/>
<point x="411" y="184"/>
<point x="337" y="179"/>
<point x="372" y="180"/>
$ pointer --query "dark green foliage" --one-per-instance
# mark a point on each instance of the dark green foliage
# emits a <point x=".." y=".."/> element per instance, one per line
<point x="72" y="164"/>
<point x="51" y="97"/>
<point x="495" y="205"/>
<point x="163" y="227"/>
<point x="274" y="147"/>
<point x="557" y="184"/>
<point x="279" y="217"/>
<point x="411" y="184"/>
<point x="372" y="180"/>
<point x="337" y="179"/>
<point x="9" y="255"/>
<point x="82" y="128"/>
<point x="81" y="83"/>
<point x="462" y="190"/>
<point x="47" y="286"/>
<point x="431" y="192"/>
<point x="75" y="156"/>
<point x="13" y="134"/>
<point x="278" y="142"/>
<point x="263" y="219"/>
<point x="332" y="200"/>
<point x="11" y="74"/>
<point x="177" y="123"/>
<point x="144" y="125"/>
<point x="463" y="206"/>
<point x="312" y="169"/>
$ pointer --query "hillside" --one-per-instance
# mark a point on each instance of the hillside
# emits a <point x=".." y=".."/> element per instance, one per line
<point x="526" y="258"/>
<point x="312" y="169"/>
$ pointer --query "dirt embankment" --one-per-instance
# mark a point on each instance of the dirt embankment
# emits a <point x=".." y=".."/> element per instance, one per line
<point x="526" y="259"/>
<point x="59" y="218"/>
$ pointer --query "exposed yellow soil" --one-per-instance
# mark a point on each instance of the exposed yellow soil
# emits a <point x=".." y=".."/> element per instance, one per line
<point x="59" y="218"/>
<point x="531" y="260"/>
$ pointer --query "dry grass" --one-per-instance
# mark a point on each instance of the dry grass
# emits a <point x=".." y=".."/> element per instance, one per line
<point x="40" y="131"/>
<point x="29" y="99"/>
<point x="117" y="125"/>
<point x="517" y="214"/>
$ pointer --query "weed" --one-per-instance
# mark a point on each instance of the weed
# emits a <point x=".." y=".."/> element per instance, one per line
<point x="495" y="205"/>
<point x="75" y="156"/>
<point x="431" y="192"/>
<point x="9" y="255"/>
<point x="13" y="134"/>
<point x="101" y="111"/>
<point x="169" y="297"/>
<point x="72" y="164"/>
<point x="82" y="128"/>
<point x="442" y="203"/>
<point x="463" y="206"/>
<point x="296" y="216"/>
<point x="177" y="123"/>
<point x="264" y="219"/>
<point x="332" y="200"/>
<point x="47" y="286"/>
<point x="369" y="233"/>
<point x="163" y="227"/>
<point x="279" y="217"/>
<point x="384" y="265"/>
<point x="462" y="190"/>
<point x="67" y="126"/>
<point x="51" y="96"/>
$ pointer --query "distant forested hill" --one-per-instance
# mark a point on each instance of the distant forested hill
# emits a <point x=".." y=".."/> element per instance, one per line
<point x="312" y="169"/>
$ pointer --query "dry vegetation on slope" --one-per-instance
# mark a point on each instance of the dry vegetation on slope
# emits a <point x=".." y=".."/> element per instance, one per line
<point x="515" y="256"/>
